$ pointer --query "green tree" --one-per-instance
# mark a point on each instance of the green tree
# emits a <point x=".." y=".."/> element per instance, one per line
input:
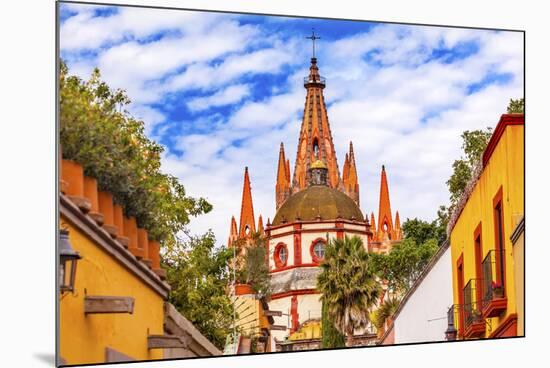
<point x="198" y="274"/>
<point x="421" y="231"/>
<point x="473" y="144"/>
<point x="330" y="336"/>
<point x="442" y="221"/>
<point x="348" y="286"/>
<point x="384" y="311"/>
<point x="254" y="271"/>
<point x="403" y="264"/>
<point x="97" y="132"/>
<point x="516" y="106"/>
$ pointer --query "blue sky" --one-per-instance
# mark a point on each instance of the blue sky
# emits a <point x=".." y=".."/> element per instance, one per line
<point x="221" y="91"/>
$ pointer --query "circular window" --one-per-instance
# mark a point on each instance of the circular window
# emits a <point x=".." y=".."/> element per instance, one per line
<point x="281" y="255"/>
<point x="317" y="250"/>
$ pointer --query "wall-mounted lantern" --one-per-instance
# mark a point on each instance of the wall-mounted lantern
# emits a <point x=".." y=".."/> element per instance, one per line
<point x="451" y="332"/>
<point x="68" y="260"/>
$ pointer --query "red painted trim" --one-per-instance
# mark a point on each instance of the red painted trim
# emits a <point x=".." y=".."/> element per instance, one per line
<point x="326" y="230"/>
<point x="505" y="120"/>
<point x="497" y="200"/>
<point x="295" y="322"/>
<point x="495" y="307"/>
<point x="344" y="221"/>
<point x="475" y="329"/>
<point x="508" y="327"/>
<point x="286" y="294"/>
<point x="276" y="259"/>
<point x="460" y="287"/>
<point x="316" y="259"/>
<point x="297" y="245"/>
<point x="294" y="266"/>
<point x="340" y="233"/>
<point x="478" y="251"/>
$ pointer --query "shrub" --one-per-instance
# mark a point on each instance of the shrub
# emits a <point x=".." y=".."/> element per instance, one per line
<point x="97" y="132"/>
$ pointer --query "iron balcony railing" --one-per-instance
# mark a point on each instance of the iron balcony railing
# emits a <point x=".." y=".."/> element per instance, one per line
<point x="493" y="276"/>
<point x="472" y="302"/>
<point x="320" y="80"/>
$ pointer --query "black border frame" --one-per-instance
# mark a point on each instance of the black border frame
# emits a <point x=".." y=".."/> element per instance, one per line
<point x="57" y="155"/>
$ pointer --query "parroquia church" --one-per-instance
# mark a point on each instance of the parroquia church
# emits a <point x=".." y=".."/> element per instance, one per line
<point x="314" y="203"/>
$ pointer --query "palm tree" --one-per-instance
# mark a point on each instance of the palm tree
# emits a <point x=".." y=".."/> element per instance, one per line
<point x="385" y="311"/>
<point x="349" y="287"/>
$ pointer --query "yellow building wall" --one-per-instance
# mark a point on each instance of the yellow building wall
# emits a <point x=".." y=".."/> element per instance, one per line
<point x="248" y="314"/>
<point x="83" y="339"/>
<point x="309" y="330"/>
<point x="519" y="255"/>
<point x="505" y="168"/>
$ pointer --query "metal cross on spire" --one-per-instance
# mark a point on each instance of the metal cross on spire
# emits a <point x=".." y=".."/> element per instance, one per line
<point x="313" y="38"/>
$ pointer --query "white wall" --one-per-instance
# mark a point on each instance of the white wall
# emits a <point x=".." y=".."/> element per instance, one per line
<point x="307" y="239"/>
<point x="424" y="316"/>
<point x="289" y="241"/>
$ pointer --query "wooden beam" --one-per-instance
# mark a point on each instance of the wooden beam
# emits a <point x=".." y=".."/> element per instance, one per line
<point x="277" y="327"/>
<point x="108" y="304"/>
<point x="272" y="313"/>
<point x="166" y="342"/>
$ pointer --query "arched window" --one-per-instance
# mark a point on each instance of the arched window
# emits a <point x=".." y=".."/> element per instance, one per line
<point x="316" y="147"/>
<point x="317" y="250"/>
<point x="247" y="230"/>
<point x="280" y="256"/>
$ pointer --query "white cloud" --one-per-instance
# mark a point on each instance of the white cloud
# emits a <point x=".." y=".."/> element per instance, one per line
<point x="408" y="114"/>
<point x="204" y="76"/>
<point x="85" y="31"/>
<point x="229" y="95"/>
<point x="150" y="116"/>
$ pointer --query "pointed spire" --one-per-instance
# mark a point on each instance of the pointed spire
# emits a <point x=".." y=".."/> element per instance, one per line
<point x="397" y="221"/>
<point x="315" y="142"/>
<point x="314" y="79"/>
<point x="385" y="224"/>
<point x="282" y="188"/>
<point x="261" y="225"/>
<point x="233" y="232"/>
<point x="352" y="179"/>
<point x="345" y="171"/>
<point x="398" y="231"/>
<point x="246" y="225"/>
<point x="282" y="181"/>
<point x="373" y="227"/>
<point x="281" y="168"/>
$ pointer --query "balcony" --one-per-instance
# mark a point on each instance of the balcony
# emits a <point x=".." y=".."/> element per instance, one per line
<point x="464" y="322"/>
<point x="474" y="323"/>
<point x="494" y="293"/>
<point x="314" y="80"/>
